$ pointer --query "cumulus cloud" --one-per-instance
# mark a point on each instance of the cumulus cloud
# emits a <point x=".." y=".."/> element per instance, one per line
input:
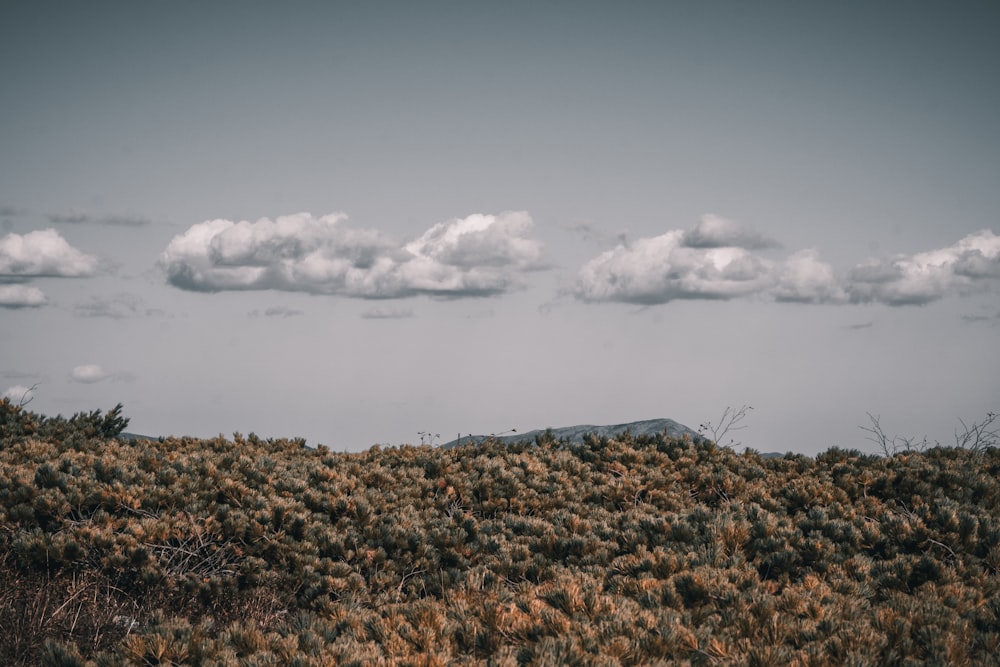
<point x="714" y="231"/>
<point x="21" y="296"/>
<point x="481" y="241"/>
<point x="42" y="253"/>
<point x="664" y="268"/>
<point x="473" y="256"/>
<point x="803" y="278"/>
<point x="714" y="260"/>
<point x="928" y="276"/>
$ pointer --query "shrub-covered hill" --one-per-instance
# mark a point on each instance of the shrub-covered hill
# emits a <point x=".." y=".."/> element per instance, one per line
<point x="628" y="551"/>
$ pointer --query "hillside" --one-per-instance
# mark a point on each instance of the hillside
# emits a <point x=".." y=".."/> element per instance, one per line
<point x="628" y="551"/>
<point x="576" y="434"/>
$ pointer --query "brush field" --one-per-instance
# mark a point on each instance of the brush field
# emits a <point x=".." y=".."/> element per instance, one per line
<point x="631" y="551"/>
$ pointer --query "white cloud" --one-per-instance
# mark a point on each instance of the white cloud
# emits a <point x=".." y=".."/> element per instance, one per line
<point x="18" y="394"/>
<point x="473" y="256"/>
<point x="714" y="231"/>
<point x="803" y="278"/>
<point x="928" y="276"/>
<point x="479" y="241"/>
<point x="662" y="269"/>
<point x="43" y="253"/>
<point x="88" y="374"/>
<point x="713" y="261"/>
<point x="21" y="296"/>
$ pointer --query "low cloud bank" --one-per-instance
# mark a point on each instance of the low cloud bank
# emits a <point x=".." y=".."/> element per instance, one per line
<point x="479" y="255"/>
<point x="928" y="276"/>
<point x="716" y="260"/>
<point x="483" y="255"/>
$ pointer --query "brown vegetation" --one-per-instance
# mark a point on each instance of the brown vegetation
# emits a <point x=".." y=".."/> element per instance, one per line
<point x="631" y="551"/>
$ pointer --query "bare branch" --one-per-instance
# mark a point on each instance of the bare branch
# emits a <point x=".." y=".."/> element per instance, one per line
<point x="729" y="421"/>
<point x="28" y="395"/>
<point x="976" y="437"/>
<point x="890" y="446"/>
<point x="885" y="444"/>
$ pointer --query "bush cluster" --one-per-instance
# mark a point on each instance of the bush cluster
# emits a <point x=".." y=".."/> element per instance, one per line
<point x="250" y="551"/>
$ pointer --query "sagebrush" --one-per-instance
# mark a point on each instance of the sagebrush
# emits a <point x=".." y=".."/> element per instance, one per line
<point x="628" y="551"/>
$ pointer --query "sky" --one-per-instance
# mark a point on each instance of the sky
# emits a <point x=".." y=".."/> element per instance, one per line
<point x="358" y="222"/>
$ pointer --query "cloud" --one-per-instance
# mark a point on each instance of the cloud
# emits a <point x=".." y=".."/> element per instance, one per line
<point x="93" y="373"/>
<point x="803" y="278"/>
<point x="21" y="296"/>
<point x="110" y="220"/>
<point x="11" y="211"/>
<point x="43" y="253"/>
<point x="665" y="268"/>
<point x="18" y="394"/>
<point x="928" y="276"/>
<point x="88" y="374"/>
<point x="275" y="311"/>
<point x="714" y="231"/>
<point x="474" y="256"/>
<point x="713" y="260"/>
<point x="387" y="314"/>
<point x="481" y="240"/>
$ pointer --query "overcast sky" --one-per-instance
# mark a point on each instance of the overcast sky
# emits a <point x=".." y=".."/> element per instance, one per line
<point x="352" y="222"/>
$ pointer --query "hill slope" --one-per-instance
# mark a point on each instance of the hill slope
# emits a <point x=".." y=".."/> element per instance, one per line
<point x="576" y="434"/>
<point x="628" y="551"/>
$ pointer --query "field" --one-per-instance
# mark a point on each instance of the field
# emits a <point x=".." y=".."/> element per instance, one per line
<point x="245" y="551"/>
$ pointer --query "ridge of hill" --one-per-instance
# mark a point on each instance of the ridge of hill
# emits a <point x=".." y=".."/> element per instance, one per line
<point x="576" y="434"/>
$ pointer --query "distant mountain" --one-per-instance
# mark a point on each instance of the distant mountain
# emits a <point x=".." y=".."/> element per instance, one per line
<point x="576" y="434"/>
